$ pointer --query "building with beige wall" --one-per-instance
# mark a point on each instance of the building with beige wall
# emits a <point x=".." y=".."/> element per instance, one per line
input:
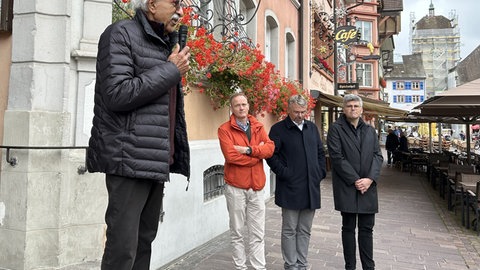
<point x="51" y="211"/>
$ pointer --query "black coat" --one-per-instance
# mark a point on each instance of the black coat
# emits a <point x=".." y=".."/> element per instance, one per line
<point x="403" y="144"/>
<point x="130" y="136"/>
<point x="392" y="142"/>
<point x="299" y="165"/>
<point x="351" y="160"/>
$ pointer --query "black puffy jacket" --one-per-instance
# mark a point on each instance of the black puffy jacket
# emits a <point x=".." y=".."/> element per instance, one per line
<point x="131" y="129"/>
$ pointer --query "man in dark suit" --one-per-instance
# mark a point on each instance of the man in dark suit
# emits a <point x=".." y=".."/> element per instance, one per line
<point x="299" y="164"/>
<point x="356" y="162"/>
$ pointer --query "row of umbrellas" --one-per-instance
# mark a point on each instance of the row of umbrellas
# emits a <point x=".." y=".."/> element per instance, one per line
<point x="460" y="105"/>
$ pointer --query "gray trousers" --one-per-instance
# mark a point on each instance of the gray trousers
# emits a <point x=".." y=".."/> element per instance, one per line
<point x="296" y="227"/>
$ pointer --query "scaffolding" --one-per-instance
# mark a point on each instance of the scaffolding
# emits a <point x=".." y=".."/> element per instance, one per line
<point x="440" y="49"/>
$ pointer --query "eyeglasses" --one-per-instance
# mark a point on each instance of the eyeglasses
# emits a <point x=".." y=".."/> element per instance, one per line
<point x="352" y="106"/>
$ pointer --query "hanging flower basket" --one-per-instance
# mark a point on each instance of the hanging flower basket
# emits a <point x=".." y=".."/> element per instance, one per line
<point x="218" y="69"/>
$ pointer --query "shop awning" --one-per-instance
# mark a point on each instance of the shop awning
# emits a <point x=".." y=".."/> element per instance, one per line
<point x="370" y="106"/>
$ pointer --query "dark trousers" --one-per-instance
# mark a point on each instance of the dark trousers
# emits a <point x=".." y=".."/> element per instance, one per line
<point x="389" y="156"/>
<point x="365" y="239"/>
<point x="132" y="218"/>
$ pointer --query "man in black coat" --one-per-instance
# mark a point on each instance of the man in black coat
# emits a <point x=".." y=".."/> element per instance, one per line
<point x="356" y="162"/>
<point x="139" y="132"/>
<point x="299" y="164"/>
<point x="391" y="145"/>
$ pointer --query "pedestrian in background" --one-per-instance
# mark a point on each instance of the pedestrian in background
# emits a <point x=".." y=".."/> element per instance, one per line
<point x="139" y="132"/>
<point x="299" y="165"/>
<point x="403" y="143"/>
<point x="356" y="162"/>
<point x="245" y="143"/>
<point x="391" y="145"/>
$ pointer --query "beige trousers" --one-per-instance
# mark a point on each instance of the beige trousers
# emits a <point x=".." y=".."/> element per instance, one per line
<point x="246" y="208"/>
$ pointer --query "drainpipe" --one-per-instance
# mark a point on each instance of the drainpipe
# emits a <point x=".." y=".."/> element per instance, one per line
<point x="335" y="52"/>
<point x="300" y="47"/>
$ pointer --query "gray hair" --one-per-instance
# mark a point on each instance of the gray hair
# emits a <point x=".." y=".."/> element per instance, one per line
<point x="351" y="97"/>
<point x="297" y="99"/>
<point x="140" y="4"/>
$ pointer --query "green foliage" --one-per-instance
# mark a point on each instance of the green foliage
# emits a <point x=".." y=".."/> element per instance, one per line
<point x="121" y="11"/>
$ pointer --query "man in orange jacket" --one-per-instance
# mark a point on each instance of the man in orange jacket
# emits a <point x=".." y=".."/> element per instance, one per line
<point x="245" y="143"/>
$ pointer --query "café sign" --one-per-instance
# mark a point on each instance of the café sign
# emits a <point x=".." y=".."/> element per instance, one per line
<point x="346" y="34"/>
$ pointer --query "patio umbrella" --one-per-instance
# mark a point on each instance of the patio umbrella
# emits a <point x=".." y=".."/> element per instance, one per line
<point x="461" y="103"/>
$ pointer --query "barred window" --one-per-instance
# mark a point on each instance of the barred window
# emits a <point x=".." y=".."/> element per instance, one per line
<point x="213" y="182"/>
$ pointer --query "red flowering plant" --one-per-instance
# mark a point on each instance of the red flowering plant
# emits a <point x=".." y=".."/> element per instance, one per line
<point x="323" y="64"/>
<point x="219" y="69"/>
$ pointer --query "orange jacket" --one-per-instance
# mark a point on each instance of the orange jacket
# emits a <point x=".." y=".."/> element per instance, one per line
<point x="240" y="170"/>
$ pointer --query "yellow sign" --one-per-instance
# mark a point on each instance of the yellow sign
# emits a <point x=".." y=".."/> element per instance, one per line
<point x="346" y="34"/>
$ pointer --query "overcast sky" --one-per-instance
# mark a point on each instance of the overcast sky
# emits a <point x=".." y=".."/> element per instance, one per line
<point x="468" y="12"/>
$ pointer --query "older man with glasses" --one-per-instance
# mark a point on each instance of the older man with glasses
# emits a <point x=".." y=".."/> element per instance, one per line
<point x="139" y="133"/>
<point x="299" y="164"/>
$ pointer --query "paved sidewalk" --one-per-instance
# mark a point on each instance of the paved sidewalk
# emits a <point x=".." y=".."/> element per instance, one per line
<point x="413" y="230"/>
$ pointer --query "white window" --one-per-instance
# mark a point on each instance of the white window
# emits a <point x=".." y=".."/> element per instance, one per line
<point x="416" y="99"/>
<point x="415" y="85"/>
<point x="400" y="85"/>
<point x="366" y="76"/>
<point x="290" y="56"/>
<point x="365" y="29"/>
<point x="271" y="40"/>
<point x="400" y="99"/>
<point x="248" y="9"/>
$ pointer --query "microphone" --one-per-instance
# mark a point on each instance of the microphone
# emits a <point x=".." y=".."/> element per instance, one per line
<point x="182" y="36"/>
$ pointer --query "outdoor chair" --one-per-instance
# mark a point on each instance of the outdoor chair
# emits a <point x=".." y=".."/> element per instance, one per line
<point x="468" y="182"/>
<point x="474" y="203"/>
<point x="397" y="158"/>
<point x="405" y="160"/>
<point x="419" y="163"/>
<point x="448" y="178"/>
<point x="455" y="192"/>
<point x="437" y="162"/>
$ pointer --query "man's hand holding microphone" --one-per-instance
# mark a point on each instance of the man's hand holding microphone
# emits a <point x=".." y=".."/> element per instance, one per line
<point x="181" y="53"/>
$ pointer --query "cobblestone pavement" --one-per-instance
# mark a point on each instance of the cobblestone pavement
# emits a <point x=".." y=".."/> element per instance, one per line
<point x="413" y="230"/>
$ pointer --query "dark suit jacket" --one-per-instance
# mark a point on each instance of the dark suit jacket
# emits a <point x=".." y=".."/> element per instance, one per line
<point x="299" y="164"/>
